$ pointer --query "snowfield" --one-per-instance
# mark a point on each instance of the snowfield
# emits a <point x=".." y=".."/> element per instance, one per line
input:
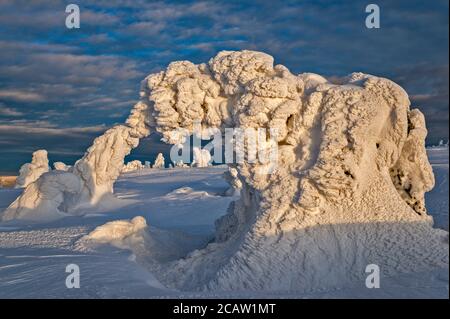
<point x="180" y="207"/>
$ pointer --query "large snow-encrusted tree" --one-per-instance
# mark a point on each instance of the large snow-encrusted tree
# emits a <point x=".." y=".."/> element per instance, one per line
<point x="347" y="189"/>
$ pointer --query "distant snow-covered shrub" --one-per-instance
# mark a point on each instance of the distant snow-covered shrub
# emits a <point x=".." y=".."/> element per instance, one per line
<point x="132" y="166"/>
<point x="202" y="157"/>
<point x="159" y="161"/>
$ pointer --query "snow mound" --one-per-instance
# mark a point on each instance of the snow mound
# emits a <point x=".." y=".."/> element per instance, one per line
<point x="184" y="193"/>
<point x="60" y="166"/>
<point x="150" y="244"/>
<point x="117" y="230"/>
<point x="30" y="172"/>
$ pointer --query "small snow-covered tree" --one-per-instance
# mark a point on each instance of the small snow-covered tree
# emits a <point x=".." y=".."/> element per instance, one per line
<point x="202" y="157"/>
<point x="231" y="176"/>
<point x="30" y="172"/>
<point x="132" y="166"/>
<point x="159" y="161"/>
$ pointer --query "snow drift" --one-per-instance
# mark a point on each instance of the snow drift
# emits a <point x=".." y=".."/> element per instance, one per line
<point x="60" y="166"/>
<point x="117" y="230"/>
<point x="157" y="245"/>
<point x="347" y="191"/>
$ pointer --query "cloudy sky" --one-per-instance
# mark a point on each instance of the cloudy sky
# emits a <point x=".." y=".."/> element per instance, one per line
<point x="59" y="87"/>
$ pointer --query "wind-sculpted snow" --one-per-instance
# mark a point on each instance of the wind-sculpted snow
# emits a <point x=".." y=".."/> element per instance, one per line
<point x="117" y="230"/>
<point x="45" y="199"/>
<point x="329" y="136"/>
<point x="30" y="172"/>
<point x="95" y="173"/>
<point x="347" y="188"/>
<point x="60" y="166"/>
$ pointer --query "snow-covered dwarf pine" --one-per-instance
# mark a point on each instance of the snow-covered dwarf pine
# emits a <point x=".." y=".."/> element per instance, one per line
<point x="231" y="176"/>
<point x="159" y="161"/>
<point x="30" y="172"/>
<point x="202" y="157"/>
<point x="132" y="166"/>
<point x="180" y="164"/>
<point x="347" y="191"/>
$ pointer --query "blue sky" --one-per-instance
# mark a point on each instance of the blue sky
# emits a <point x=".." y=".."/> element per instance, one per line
<point x="60" y="88"/>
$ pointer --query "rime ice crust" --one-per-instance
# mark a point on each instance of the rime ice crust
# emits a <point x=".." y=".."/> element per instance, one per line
<point x="348" y="189"/>
<point x="352" y="169"/>
<point x="46" y="198"/>
<point x="95" y="174"/>
<point x="232" y="178"/>
<point x="330" y="135"/>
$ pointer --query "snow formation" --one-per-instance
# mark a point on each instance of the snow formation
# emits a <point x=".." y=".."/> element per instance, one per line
<point x="30" y="172"/>
<point x="347" y="190"/>
<point x="58" y="194"/>
<point x="159" y="161"/>
<point x="202" y="157"/>
<point x="231" y="176"/>
<point x="46" y="199"/>
<point x="60" y="166"/>
<point x="349" y="185"/>
<point x="117" y="230"/>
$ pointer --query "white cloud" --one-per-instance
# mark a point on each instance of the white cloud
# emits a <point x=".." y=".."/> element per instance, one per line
<point x="7" y="111"/>
<point x="20" y="95"/>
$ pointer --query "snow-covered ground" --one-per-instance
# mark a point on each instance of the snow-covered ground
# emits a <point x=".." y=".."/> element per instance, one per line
<point x="180" y="207"/>
<point x="437" y="199"/>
